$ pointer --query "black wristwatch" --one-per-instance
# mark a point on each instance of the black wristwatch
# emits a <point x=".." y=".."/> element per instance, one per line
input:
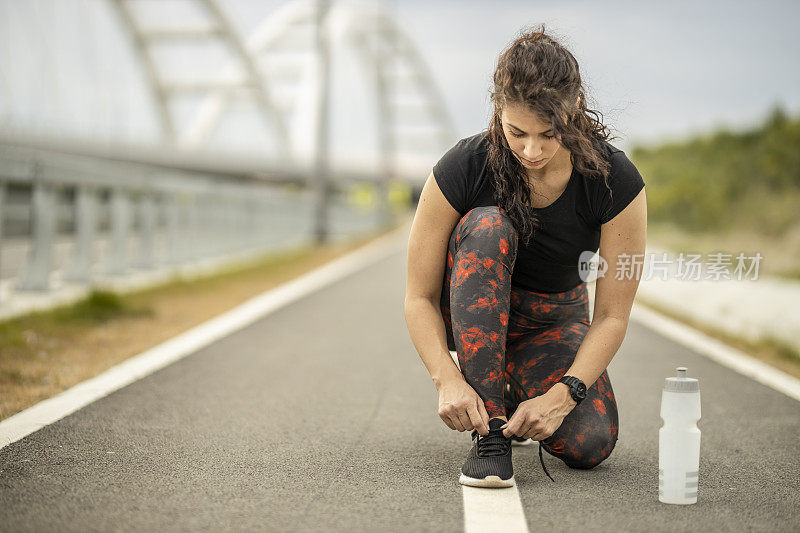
<point x="577" y="388"/>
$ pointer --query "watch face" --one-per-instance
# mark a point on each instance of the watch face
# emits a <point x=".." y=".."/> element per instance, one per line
<point x="581" y="390"/>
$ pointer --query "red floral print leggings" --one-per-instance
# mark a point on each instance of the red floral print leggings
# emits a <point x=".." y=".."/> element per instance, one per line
<point x="514" y="344"/>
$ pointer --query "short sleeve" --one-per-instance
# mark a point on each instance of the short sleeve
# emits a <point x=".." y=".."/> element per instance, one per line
<point x="625" y="182"/>
<point x="452" y="174"/>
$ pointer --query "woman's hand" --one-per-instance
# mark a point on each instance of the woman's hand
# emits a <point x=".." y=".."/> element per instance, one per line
<point x="461" y="408"/>
<point x="540" y="417"/>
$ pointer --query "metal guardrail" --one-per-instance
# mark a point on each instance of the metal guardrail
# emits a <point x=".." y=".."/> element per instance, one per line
<point x="195" y="216"/>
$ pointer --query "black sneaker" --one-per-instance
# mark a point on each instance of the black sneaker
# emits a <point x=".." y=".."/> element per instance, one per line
<point x="489" y="461"/>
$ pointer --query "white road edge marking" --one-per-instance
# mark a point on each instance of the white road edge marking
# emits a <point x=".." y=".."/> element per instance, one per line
<point x="497" y="509"/>
<point x="52" y="409"/>
<point x="717" y="351"/>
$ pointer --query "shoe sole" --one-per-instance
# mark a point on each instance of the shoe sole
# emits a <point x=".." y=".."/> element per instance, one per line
<point x="526" y="442"/>
<point x="488" y="481"/>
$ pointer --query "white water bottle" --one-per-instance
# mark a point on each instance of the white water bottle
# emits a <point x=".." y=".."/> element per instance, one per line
<point x="679" y="440"/>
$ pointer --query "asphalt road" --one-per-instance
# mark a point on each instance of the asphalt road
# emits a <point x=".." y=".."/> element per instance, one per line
<point x="321" y="416"/>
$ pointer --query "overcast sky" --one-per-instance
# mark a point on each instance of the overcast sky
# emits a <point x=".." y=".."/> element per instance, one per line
<point x="655" y="70"/>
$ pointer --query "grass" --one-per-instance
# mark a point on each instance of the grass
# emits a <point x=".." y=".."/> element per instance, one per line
<point x="98" y="307"/>
<point x="780" y="349"/>
<point x="780" y="255"/>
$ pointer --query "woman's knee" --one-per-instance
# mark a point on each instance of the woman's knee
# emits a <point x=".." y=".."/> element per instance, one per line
<point x="489" y="228"/>
<point x="589" y="453"/>
<point x="489" y="219"/>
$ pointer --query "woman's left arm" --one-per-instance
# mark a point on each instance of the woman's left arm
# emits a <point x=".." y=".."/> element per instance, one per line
<point x="622" y="246"/>
<point x="622" y="239"/>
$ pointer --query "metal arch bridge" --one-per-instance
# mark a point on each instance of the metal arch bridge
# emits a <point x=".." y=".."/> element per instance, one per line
<point x="286" y="48"/>
<point x="266" y="68"/>
<point x="389" y="56"/>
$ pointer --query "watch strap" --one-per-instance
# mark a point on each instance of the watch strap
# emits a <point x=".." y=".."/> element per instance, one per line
<point x="572" y="382"/>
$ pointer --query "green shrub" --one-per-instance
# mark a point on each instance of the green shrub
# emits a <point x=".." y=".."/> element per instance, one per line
<point x="99" y="306"/>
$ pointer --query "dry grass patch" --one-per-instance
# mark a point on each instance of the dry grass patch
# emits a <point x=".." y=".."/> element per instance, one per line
<point x="780" y="255"/>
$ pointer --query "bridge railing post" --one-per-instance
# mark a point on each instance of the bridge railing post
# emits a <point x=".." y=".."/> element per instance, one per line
<point x="240" y="228"/>
<point x="36" y="275"/>
<point x="85" y="209"/>
<point x="193" y="226"/>
<point x="116" y="258"/>
<point x="2" y="213"/>
<point x="211" y="226"/>
<point x="171" y="208"/>
<point x="147" y="229"/>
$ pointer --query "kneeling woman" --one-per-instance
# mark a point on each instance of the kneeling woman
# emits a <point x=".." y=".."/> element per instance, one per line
<point x="494" y="274"/>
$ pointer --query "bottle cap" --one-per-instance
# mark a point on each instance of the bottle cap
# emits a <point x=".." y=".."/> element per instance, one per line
<point x="681" y="383"/>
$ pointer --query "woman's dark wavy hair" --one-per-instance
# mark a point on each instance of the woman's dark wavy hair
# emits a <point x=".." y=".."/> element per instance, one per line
<point x="535" y="70"/>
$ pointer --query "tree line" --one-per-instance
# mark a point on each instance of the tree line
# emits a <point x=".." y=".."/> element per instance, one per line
<point x="727" y="179"/>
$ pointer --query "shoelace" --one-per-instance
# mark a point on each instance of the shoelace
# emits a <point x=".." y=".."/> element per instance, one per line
<point x="542" y="461"/>
<point x="492" y="444"/>
<point x="496" y="444"/>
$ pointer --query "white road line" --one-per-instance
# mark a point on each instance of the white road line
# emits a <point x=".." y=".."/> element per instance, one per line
<point x="719" y="352"/>
<point x="495" y="509"/>
<point x="488" y="510"/>
<point x="48" y="411"/>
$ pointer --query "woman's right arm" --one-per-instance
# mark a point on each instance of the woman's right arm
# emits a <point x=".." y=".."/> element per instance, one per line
<point x="460" y="407"/>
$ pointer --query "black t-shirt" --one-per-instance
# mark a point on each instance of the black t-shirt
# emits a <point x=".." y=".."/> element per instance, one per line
<point x="569" y="225"/>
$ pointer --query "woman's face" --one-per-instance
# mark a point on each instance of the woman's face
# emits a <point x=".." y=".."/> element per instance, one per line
<point x="531" y="141"/>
